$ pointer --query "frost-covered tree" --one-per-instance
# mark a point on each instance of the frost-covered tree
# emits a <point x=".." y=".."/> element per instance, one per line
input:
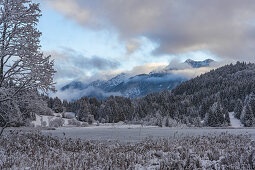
<point x="167" y="122"/>
<point x="22" y="65"/>
<point x="247" y="116"/>
<point x="57" y="105"/>
<point x="30" y="103"/>
<point x="21" y="62"/>
<point x="248" y="113"/>
<point x="9" y="110"/>
<point x="238" y="109"/>
<point x="217" y="116"/>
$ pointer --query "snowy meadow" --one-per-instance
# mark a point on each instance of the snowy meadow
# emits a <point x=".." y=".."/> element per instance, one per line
<point x="137" y="133"/>
<point x="21" y="150"/>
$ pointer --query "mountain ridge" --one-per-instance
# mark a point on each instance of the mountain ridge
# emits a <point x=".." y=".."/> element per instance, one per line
<point x="138" y="85"/>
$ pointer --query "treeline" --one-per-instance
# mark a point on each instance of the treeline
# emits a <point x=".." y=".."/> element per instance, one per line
<point x="203" y="101"/>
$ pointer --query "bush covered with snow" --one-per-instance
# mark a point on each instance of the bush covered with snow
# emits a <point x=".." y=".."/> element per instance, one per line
<point x="35" y="151"/>
<point x="68" y="115"/>
<point x="84" y="124"/>
<point x="74" y="122"/>
<point x="56" y="122"/>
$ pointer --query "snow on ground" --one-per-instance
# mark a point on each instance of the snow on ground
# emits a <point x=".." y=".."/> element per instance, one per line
<point x="36" y="151"/>
<point x="234" y="121"/>
<point x="136" y="134"/>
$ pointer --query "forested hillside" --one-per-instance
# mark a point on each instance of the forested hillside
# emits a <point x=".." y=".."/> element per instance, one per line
<point x="203" y="101"/>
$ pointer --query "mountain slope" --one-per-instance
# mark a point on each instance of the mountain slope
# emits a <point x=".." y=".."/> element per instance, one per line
<point x="143" y="84"/>
<point x="74" y="85"/>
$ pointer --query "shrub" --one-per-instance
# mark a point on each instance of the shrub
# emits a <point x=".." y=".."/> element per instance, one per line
<point x="57" y="122"/>
<point x="68" y="115"/>
<point x="91" y="119"/>
<point x="44" y="123"/>
<point x="74" y="122"/>
<point x="84" y="124"/>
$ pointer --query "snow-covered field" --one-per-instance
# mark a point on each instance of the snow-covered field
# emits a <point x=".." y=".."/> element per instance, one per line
<point x="135" y="133"/>
<point x="36" y="151"/>
<point x="122" y="146"/>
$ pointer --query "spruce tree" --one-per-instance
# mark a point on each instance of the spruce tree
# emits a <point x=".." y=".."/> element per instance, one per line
<point x="238" y="109"/>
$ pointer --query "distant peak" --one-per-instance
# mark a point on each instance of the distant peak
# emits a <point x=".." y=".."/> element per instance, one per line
<point x="206" y="60"/>
<point x="189" y="60"/>
<point x="198" y="64"/>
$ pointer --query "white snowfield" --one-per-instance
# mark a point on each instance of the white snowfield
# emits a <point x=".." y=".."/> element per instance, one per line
<point x="135" y="134"/>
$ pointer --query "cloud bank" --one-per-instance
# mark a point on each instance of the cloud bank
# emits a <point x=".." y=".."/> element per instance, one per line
<point x="74" y="94"/>
<point x="72" y="65"/>
<point x="223" y="27"/>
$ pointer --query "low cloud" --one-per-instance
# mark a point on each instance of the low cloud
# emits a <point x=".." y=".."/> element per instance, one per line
<point x="177" y="64"/>
<point x="147" y="68"/>
<point x="95" y="62"/>
<point x="74" y="94"/>
<point x="143" y="69"/>
<point x="192" y="72"/>
<point x="71" y="65"/>
<point x="159" y="79"/>
<point x="77" y="59"/>
<point x="186" y="71"/>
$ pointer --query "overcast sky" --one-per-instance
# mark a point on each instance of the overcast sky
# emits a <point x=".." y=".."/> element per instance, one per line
<point x="91" y="38"/>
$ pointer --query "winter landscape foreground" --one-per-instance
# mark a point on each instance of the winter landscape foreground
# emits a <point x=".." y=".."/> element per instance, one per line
<point x="128" y="148"/>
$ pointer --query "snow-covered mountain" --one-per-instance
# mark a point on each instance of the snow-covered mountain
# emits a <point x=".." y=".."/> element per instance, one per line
<point x="143" y="84"/>
<point x="198" y="64"/>
<point x="115" y="81"/>
<point x="138" y="85"/>
<point x="187" y="64"/>
<point x="74" y="85"/>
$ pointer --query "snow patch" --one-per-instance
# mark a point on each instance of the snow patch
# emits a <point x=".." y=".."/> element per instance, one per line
<point x="234" y="121"/>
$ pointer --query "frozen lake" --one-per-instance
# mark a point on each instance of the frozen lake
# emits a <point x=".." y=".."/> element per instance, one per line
<point x="136" y="133"/>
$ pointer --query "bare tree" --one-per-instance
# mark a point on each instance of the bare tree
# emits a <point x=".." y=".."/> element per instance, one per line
<point x="22" y="65"/>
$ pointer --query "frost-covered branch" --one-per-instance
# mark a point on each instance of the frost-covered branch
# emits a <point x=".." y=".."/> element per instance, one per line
<point x="20" y="56"/>
<point x="23" y="67"/>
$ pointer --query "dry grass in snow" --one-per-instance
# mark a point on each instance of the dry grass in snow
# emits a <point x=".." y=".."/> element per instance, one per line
<point x="36" y="151"/>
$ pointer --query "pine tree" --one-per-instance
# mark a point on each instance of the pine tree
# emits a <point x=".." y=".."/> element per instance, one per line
<point x="167" y="122"/>
<point x="57" y="105"/>
<point x="215" y="116"/>
<point x="247" y="117"/>
<point x="226" y="116"/>
<point x="238" y="109"/>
